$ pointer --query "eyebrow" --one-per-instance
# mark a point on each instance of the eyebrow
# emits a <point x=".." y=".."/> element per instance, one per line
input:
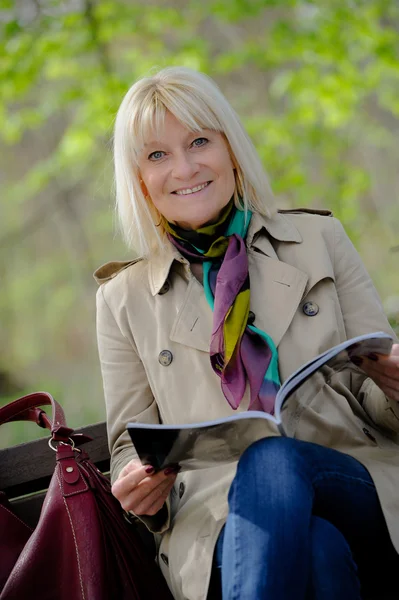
<point x="190" y="133"/>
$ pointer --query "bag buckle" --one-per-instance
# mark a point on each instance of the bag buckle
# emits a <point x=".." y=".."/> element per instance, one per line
<point x="70" y="443"/>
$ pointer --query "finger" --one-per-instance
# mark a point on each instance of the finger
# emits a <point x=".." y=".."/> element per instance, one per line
<point x="136" y="466"/>
<point x="395" y="350"/>
<point x="379" y="362"/>
<point x="132" y="496"/>
<point x="154" y="501"/>
<point x="391" y="393"/>
<point x="132" y="465"/>
<point x="388" y="371"/>
<point x="157" y="505"/>
<point x="144" y="498"/>
<point x="127" y="481"/>
<point x="383" y="361"/>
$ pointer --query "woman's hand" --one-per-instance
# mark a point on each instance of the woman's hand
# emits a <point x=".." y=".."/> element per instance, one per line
<point x="384" y="370"/>
<point x="140" y="490"/>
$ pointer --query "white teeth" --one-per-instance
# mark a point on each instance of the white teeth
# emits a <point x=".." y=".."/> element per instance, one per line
<point x="191" y="190"/>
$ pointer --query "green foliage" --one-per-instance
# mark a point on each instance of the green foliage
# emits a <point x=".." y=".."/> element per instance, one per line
<point x="315" y="83"/>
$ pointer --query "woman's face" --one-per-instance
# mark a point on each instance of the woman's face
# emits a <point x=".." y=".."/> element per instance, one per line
<point x="188" y="176"/>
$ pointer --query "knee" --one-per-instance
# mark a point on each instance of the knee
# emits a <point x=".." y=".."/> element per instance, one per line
<point x="274" y="466"/>
<point x="272" y="453"/>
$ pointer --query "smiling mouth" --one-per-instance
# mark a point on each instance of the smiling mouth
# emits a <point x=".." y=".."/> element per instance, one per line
<point x="193" y="190"/>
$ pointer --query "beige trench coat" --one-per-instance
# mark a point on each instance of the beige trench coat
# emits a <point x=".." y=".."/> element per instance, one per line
<point x="145" y="307"/>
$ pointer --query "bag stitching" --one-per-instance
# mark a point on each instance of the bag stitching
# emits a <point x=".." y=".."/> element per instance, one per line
<point x="80" y="491"/>
<point x="74" y="540"/>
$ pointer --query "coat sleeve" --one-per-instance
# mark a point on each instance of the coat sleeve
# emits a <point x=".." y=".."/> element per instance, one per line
<point x="128" y="396"/>
<point x="363" y="313"/>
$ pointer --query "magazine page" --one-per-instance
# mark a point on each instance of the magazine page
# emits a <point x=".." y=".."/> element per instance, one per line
<point x="337" y="358"/>
<point x="200" y="445"/>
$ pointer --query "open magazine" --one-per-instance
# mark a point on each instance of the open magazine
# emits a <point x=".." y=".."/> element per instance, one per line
<point x="201" y="445"/>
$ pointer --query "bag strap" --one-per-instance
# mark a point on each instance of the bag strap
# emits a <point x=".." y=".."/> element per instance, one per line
<point x="27" y="409"/>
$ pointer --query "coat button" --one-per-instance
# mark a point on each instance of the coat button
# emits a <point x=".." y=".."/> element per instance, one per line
<point x="165" y="559"/>
<point x="181" y="489"/>
<point x="165" y="358"/>
<point x="165" y="288"/>
<point x="310" y="309"/>
<point x="369" y="435"/>
<point x="251" y="318"/>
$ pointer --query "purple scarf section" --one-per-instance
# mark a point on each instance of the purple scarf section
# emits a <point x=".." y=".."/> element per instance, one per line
<point x="253" y="356"/>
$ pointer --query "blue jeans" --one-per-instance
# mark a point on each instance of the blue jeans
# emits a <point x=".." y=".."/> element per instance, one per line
<point x="304" y="523"/>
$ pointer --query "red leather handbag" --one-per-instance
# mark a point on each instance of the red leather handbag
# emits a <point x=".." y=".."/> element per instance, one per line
<point x="82" y="547"/>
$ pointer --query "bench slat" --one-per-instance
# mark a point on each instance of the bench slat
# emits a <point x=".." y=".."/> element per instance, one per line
<point x="27" y="468"/>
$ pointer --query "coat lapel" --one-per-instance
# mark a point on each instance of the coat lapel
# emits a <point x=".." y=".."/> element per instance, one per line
<point x="277" y="288"/>
<point x="274" y="284"/>
<point x="276" y="292"/>
<point x="193" y="323"/>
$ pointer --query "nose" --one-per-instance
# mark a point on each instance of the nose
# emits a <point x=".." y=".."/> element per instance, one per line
<point x="184" y="166"/>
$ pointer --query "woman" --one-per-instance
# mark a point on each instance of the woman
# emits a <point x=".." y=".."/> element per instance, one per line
<point x="312" y="516"/>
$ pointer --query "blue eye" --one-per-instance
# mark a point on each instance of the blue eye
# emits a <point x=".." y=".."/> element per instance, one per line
<point x="199" y="142"/>
<point x="157" y="155"/>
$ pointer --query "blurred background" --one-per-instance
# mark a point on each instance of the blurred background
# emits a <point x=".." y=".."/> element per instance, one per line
<point x="316" y="84"/>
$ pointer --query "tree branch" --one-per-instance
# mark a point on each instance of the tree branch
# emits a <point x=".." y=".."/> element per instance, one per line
<point x="94" y="31"/>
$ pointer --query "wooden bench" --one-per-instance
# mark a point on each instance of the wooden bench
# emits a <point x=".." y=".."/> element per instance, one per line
<point x="26" y="469"/>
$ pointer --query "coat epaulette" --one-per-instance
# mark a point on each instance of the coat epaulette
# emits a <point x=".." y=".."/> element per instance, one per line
<point x="111" y="269"/>
<point x="310" y="211"/>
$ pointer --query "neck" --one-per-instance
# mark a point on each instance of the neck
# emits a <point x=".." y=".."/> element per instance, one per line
<point x="197" y="271"/>
<point x="215" y="227"/>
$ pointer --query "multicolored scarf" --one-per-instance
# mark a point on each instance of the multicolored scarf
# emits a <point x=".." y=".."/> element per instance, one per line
<point x="239" y="351"/>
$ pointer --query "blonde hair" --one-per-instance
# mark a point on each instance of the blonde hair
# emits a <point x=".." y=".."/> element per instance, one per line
<point x="196" y="101"/>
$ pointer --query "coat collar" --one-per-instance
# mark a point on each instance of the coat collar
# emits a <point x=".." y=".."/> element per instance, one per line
<point x="109" y="270"/>
<point x="263" y="230"/>
<point x="260" y="231"/>
<point x="160" y="264"/>
<point x="278" y="227"/>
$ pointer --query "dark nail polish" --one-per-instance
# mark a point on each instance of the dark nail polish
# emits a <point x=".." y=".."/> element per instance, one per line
<point x="357" y="360"/>
<point x="372" y="356"/>
<point x="149" y="470"/>
<point x="170" y="470"/>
